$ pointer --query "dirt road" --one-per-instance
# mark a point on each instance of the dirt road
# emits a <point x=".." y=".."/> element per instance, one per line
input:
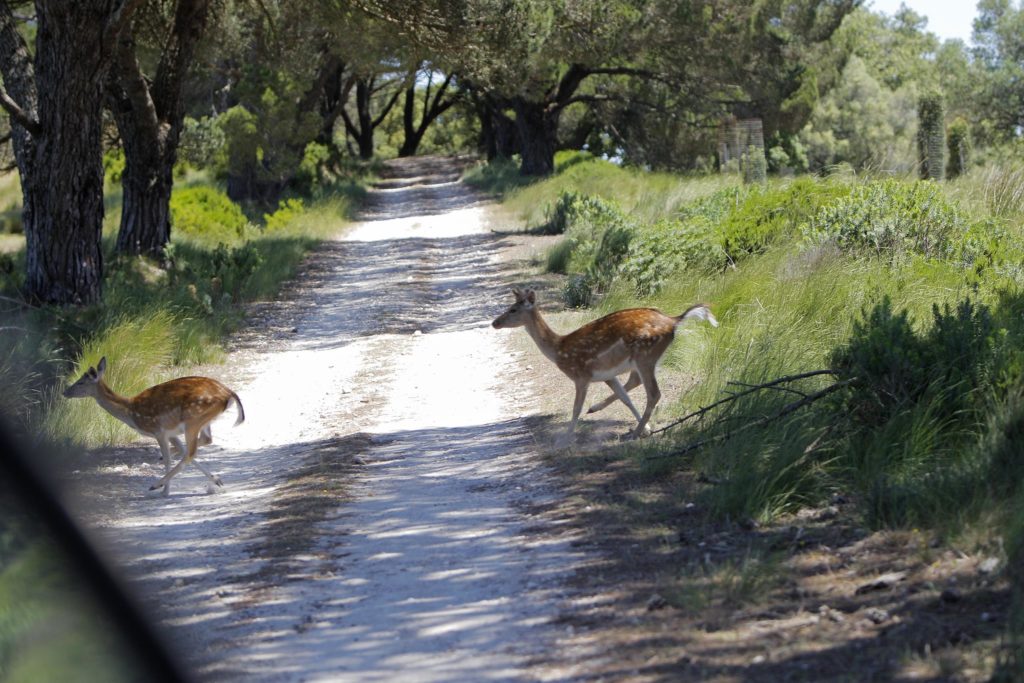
<point x="378" y="517"/>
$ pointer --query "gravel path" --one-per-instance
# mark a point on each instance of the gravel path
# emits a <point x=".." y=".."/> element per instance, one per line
<point x="382" y="517"/>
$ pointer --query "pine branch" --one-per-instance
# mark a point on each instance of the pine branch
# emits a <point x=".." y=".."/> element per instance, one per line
<point x="732" y="397"/>
<point x="763" y="420"/>
<point x="18" y="115"/>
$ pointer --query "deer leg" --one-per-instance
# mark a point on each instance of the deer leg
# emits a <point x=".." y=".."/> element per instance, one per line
<point x="206" y="436"/>
<point x="653" y="396"/>
<point x="192" y="442"/>
<point x="165" y="452"/>
<point x="205" y="439"/>
<point x="577" y="408"/>
<point x="631" y="383"/>
<point x="620" y="392"/>
<point x="209" y="475"/>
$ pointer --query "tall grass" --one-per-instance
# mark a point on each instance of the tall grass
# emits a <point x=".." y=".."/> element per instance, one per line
<point x="996" y="189"/>
<point x="643" y="196"/>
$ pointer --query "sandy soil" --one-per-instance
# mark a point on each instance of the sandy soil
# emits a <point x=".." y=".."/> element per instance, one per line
<point x="380" y="518"/>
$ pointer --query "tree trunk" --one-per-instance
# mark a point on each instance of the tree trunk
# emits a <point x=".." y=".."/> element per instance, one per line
<point x="59" y="159"/>
<point x="538" y="137"/>
<point x="146" y="206"/>
<point x="506" y="135"/>
<point x="432" y="108"/>
<point x="364" y="135"/>
<point x="413" y="135"/>
<point x="149" y="118"/>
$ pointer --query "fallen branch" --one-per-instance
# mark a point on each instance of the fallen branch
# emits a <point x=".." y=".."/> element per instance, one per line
<point x="752" y="389"/>
<point x="763" y="420"/>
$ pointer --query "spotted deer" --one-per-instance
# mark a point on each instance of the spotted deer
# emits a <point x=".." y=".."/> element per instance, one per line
<point x="180" y="407"/>
<point x="631" y="340"/>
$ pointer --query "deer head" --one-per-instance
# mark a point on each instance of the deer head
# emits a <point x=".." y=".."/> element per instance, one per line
<point x="87" y="384"/>
<point x="519" y="312"/>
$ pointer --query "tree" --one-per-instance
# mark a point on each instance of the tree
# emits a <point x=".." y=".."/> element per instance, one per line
<point x="371" y="94"/>
<point x="149" y="113"/>
<point x="434" y="104"/>
<point x="54" y="96"/>
<point x="543" y="58"/>
<point x="281" y="84"/>
<point x="999" y="51"/>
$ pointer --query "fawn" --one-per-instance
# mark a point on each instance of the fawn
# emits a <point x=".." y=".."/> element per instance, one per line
<point x="631" y="340"/>
<point x="167" y="411"/>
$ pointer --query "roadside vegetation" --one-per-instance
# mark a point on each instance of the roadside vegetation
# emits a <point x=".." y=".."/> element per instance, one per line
<point x="909" y="292"/>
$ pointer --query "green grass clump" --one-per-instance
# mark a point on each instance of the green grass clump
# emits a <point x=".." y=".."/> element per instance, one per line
<point x="206" y="213"/>
<point x="767" y="214"/>
<point x="643" y="196"/>
<point x="499" y="177"/>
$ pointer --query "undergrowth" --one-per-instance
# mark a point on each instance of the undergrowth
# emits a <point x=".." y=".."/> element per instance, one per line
<point x="910" y="291"/>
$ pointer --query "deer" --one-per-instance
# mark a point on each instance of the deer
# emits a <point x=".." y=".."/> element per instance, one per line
<point x="631" y="340"/>
<point x="179" y="407"/>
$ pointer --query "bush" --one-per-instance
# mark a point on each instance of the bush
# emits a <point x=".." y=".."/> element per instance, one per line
<point x="207" y="214"/>
<point x="599" y="235"/>
<point x="668" y="247"/>
<point x="560" y="214"/>
<point x="893" y="366"/>
<point x="287" y="211"/>
<point x="762" y="216"/>
<point x="578" y="291"/>
<point x="202" y="143"/>
<point x="890" y="218"/>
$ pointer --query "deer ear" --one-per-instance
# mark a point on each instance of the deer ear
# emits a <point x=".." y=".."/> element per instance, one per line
<point x="517" y="293"/>
<point x="531" y="296"/>
<point x="101" y="367"/>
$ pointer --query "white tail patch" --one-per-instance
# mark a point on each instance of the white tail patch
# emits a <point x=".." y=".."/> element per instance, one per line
<point x="702" y="313"/>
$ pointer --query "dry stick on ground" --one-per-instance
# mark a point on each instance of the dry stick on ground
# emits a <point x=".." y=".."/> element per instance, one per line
<point x="753" y="388"/>
<point x="765" y="419"/>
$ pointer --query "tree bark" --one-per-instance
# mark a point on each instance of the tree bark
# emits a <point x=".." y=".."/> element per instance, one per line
<point x="537" y="124"/>
<point x="58" y="145"/>
<point x="149" y="119"/>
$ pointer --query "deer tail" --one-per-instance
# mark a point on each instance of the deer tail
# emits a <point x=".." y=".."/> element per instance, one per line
<point x="241" y="411"/>
<point x="701" y="311"/>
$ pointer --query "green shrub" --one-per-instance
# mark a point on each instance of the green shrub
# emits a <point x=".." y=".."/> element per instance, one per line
<point x="764" y="215"/>
<point x="890" y="218"/>
<point x="203" y="143"/>
<point x="599" y="235"/>
<point x="288" y="210"/>
<point x="578" y="291"/>
<point x="560" y="214"/>
<point x="659" y="252"/>
<point x="893" y="366"/>
<point x="207" y="214"/>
